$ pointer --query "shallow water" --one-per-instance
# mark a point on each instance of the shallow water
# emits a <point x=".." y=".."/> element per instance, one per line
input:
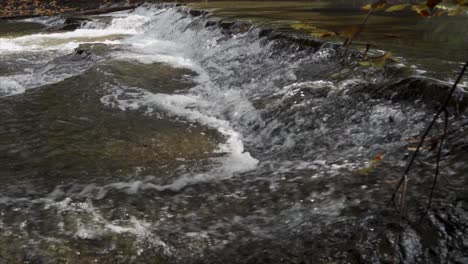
<point x="436" y="46"/>
<point x="163" y="140"/>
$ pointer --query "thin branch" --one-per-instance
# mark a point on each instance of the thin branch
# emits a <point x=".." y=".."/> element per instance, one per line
<point x="437" y="169"/>
<point x="361" y="27"/>
<point x="426" y="132"/>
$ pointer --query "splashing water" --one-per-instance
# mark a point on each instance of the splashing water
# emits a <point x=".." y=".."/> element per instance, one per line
<point x="292" y="140"/>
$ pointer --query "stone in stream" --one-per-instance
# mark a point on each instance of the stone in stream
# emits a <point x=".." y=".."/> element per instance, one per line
<point x="154" y="77"/>
<point x="96" y="50"/>
<point x="13" y="29"/>
<point x="431" y="91"/>
<point x="210" y="23"/>
<point x="72" y="23"/>
<point x="195" y="12"/>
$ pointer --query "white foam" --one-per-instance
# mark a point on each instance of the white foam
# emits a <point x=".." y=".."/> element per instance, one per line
<point x="190" y="107"/>
<point x="10" y="86"/>
<point x="129" y="25"/>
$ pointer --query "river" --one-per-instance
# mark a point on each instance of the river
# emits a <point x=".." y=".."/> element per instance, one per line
<point x="155" y="136"/>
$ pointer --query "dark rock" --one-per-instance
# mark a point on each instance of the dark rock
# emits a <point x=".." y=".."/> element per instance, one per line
<point x="81" y="54"/>
<point x="226" y="25"/>
<point x="196" y="13"/>
<point x="329" y="45"/>
<point x="431" y="91"/>
<point x="72" y="23"/>
<point x="300" y="40"/>
<point x="265" y="32"/>
<point x="211" y="23"/>
<point x="230" y="28"/>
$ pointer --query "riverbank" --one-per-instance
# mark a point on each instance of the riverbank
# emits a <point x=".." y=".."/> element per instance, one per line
<point x="30" y="8"/>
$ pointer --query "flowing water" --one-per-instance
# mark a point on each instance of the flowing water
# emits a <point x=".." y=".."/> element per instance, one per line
<point x="150" y="136"/>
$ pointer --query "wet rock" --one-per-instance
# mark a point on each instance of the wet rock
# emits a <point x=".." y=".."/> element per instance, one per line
<point x="77" y="136"/>
<point x="302" y="41"/>
<point x="265" y="32"/>
<point x="431" y="91"/>
<point x="230" y="28"/>
<point x="91" y="52"/>
<point x="10" y="28"/>
<point x="211" y="23"/>
<point x="98" y="49"/>
<point x="81" y="53"/>
<point x="226" y="25"/>
<point x="195" y="12"/>
<point x="135" y="74"/>
<point x="72" y="23"/>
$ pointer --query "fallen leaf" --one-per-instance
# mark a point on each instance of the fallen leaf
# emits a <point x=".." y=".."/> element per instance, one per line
<point x="456" y="12"/>
<point x="365" y="63"/>
<point x="376" y="6"/>
<point x="303" y="26"/>
<point x="379" y="5"/>
<point x="367" y="7"/>
<point x="395" y="8"/>
<point x="319" y="33"/>
<point x="313" y="30"/>
<point x="379" y="157"/>
<point x="365" y="170"/>
<point x="378" y="62"/>
<point x="350" y="32"/>
<point x="422" y="10"/>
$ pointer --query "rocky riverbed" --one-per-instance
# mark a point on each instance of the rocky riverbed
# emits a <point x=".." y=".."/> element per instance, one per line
<point x="162" y="135"/>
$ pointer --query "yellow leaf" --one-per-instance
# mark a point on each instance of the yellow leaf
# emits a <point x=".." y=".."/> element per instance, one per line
<point x="313" y="31"/>
<point x="419" y="7"/>
<point x="395" y="8"/>
<point x="302" y="26"/>
<point x="320" y="33"/>
<point x="367" y="7"/>
<point x="365" y="63"/>
<point x="380" y="61"/>
<point x="350" y="32"/>
<point x="376" y="6"/>
<point x="372" y="165"/>
<point x="455" y="12"/>
<point x="422" y="10"/>
<point x="378" y="158"/>
<point x="379" y="5"/>
<point x="365" y="170"/>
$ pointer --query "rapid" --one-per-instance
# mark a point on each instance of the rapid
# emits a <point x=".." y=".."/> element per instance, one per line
<point x="155" y="136"/>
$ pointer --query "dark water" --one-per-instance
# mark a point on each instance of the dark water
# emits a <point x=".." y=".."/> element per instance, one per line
<point x="162" y="140"/>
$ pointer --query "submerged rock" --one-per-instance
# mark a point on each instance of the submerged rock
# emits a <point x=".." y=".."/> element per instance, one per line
<point x="430" y="91"/>
<point x="67" y="132"/>
<point x="427" y="89"/>
<point x="72" y="23"/>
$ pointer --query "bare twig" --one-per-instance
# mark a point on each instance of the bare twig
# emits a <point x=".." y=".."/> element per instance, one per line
<point x="426" y="132"/>
<point x="349" y="41"/>
<point x="437" y="170"/>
